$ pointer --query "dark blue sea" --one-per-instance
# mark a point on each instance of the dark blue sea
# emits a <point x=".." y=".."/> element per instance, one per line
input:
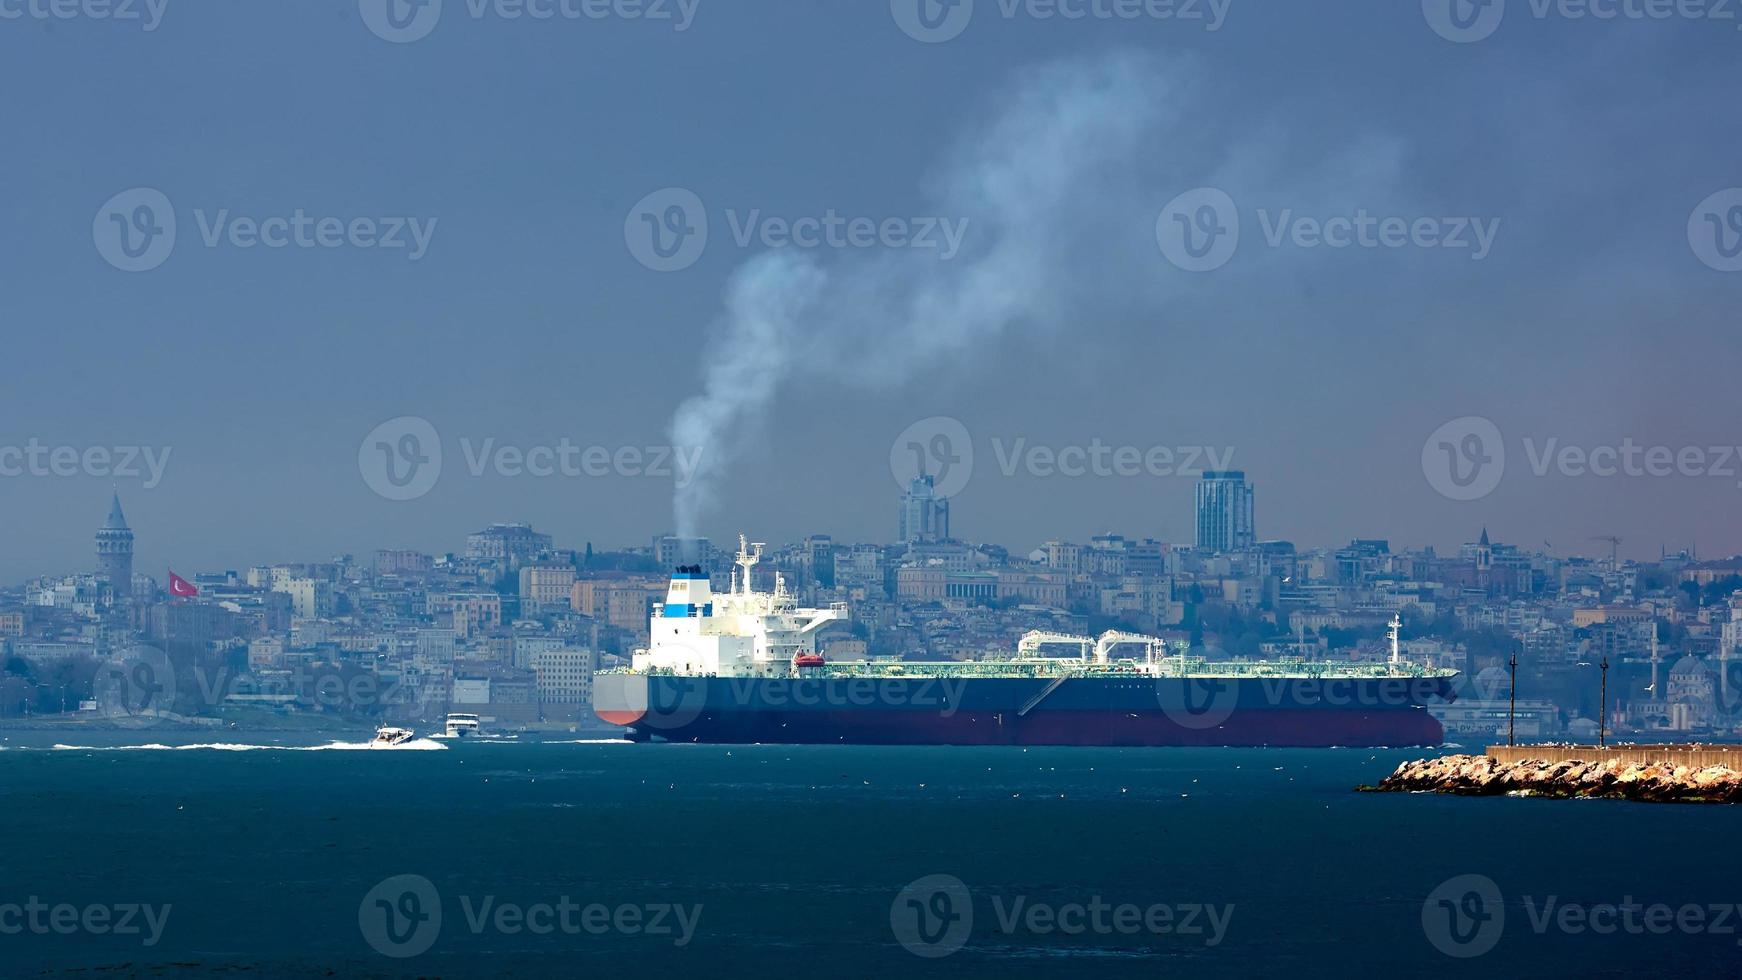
<point x="602" y="858"/>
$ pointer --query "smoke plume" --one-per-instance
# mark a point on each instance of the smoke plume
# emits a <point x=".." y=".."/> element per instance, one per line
<point x="1039" y="183"/>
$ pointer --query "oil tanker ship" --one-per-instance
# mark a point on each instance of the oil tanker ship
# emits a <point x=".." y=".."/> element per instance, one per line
<point x="739" y="667"/>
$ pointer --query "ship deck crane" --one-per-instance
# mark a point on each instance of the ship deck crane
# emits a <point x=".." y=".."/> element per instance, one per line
<point x="1154" y="647"/>
<point x="1031" y="642"/>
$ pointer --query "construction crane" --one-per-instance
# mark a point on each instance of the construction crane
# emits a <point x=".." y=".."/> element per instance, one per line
<point x="1614" y="549"/>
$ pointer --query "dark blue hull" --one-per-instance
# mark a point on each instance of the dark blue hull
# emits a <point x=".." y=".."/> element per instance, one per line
<point x="1087" y="711"/>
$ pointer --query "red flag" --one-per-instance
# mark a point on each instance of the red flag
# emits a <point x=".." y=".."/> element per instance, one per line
<point x="181" y="588"/>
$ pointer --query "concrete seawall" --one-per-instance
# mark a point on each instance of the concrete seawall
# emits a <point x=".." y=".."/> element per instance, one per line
<point x="1692" y="756"/>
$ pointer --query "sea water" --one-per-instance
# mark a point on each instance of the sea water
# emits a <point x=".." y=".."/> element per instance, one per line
<point x="582" y="856"/>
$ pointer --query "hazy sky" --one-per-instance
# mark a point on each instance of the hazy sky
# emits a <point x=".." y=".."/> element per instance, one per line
<point x="1597" y="308"/>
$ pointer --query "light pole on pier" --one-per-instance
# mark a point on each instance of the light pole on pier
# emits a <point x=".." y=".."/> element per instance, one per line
<point x="1512" y="701"/>
<point x="1603" y="705"/>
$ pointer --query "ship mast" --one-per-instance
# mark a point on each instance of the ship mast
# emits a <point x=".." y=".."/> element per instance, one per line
<point x="748" y="555"/>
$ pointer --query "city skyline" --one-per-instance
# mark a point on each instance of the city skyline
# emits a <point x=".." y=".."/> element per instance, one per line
<point x="187" y="561"/>
<point x="520" y="621"/>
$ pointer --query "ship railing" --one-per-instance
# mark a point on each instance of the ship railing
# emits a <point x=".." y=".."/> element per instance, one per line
<point x="1046" y="667"/>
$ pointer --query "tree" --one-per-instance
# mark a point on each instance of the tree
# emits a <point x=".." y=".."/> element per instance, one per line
<point x="1718" y="590"/>
<point x="1691" y="591"/>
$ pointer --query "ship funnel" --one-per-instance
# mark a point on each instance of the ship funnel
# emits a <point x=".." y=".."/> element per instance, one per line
<point x="690" y="594"/>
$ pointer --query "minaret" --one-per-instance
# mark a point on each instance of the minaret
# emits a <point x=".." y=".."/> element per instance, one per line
<point x="115" y="550"/>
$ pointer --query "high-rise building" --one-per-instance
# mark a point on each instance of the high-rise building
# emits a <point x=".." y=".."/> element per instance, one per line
<point x="1225" y="511"/>
<point x="115" y="550"/>
<point x="925" y="516"/>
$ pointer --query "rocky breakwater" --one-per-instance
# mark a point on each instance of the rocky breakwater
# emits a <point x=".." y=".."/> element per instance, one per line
<point x="1480" y="775"/>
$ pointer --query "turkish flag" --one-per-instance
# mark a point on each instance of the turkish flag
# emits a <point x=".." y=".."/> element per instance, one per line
<point x="181" y="588"/>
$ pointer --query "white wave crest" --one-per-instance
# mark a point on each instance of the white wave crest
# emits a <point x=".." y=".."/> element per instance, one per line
<point x="416" y="745"/>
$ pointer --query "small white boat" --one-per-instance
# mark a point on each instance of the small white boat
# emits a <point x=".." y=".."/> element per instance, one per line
<point x="461" y="727"/>
<point x="387" y="737"/>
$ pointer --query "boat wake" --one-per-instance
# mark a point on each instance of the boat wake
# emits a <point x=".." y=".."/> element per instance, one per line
<point x="416" y="745"/>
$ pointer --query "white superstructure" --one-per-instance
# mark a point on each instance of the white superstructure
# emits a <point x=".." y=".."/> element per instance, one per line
<point x="742" y="633"/>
